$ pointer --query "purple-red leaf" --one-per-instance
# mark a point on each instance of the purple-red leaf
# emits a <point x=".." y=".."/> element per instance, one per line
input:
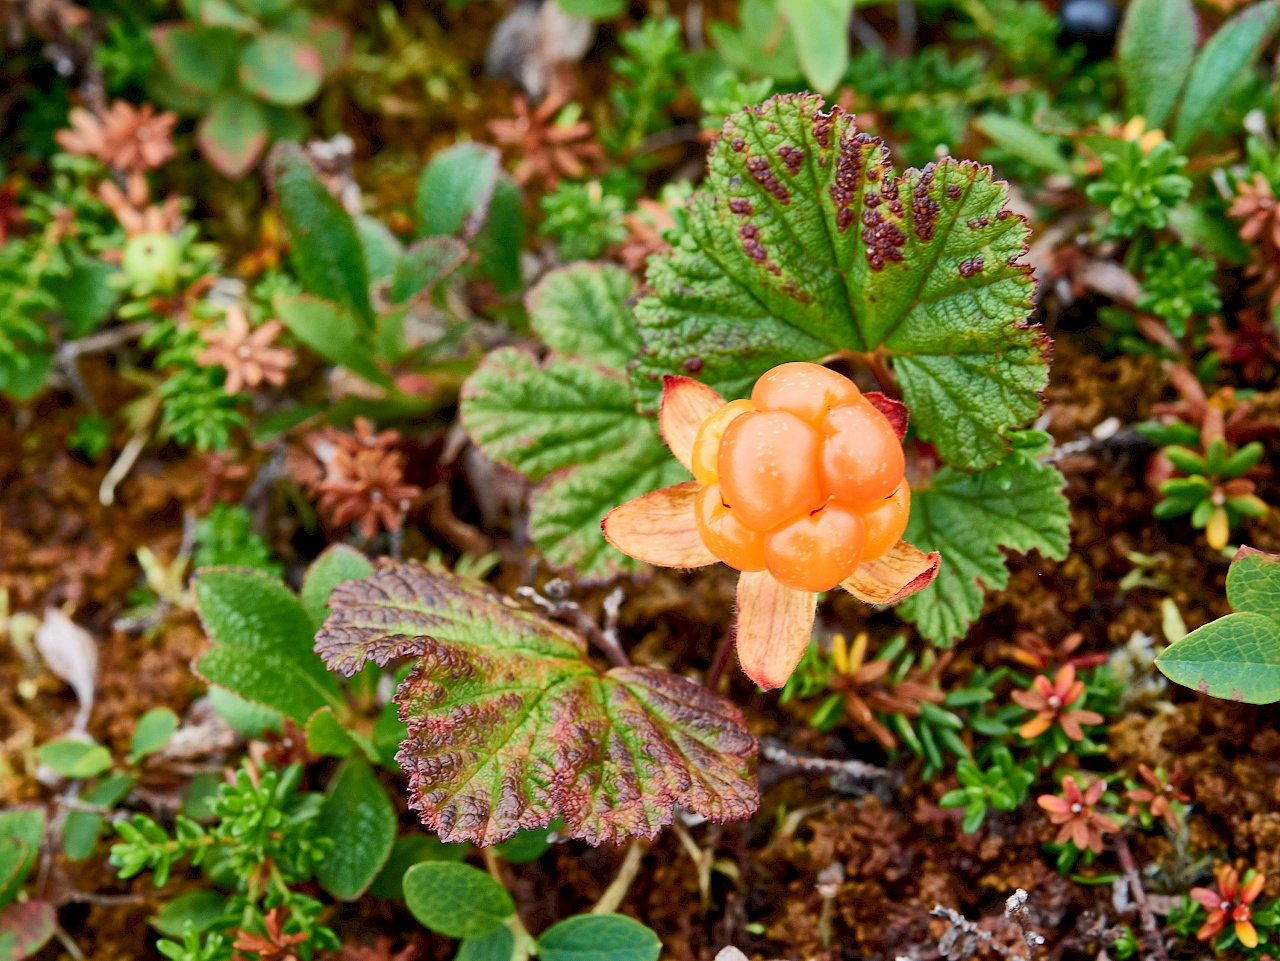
<point x="510" y="726"/>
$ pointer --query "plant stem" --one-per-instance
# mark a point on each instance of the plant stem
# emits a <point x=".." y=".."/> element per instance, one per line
<point x="491" y="865"/>
<point x="1140" y="896"/>
<point x="721" y="660"/>
<point x="621" y="884"/>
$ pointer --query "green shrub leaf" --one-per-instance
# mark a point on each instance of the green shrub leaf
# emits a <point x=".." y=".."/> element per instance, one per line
<point x="75" y="759"/>
<point x="152" y="733"/>
<point x="81" y="829"/>
<point x="969" y="518"/>
<point x="1157" y="44"/>
<point x="262" y="640"/>
<point x="1228" y="53"/>
<point x="806" y="243"/>
<point x="821" y="31"/>
<point x="570" y="421"/>
<point x="332" y="332"/>
<point x="599" y="937"/>
<point x="233" y="133"/>
<point x="21" y="830"/>
<point x="359" y="817"/>
<point x="281" y="69"/>
<point x="26" y="928"/>
<point x="455" y="188"/>
<point x="411" y="849"/>
<point x="511" y="726"/>
<point x="1236" y="657"/>
<point x="456" y="900"/>
<point x="200" y="59"/>
<point x="198" y="908"/>
<point x="326" y="250"/>
<point x="499" y="946"/>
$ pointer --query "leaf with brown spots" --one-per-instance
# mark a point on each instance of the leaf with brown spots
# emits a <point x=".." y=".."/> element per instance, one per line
<point x="510" y="726"/>
<point x="806" y="242"/>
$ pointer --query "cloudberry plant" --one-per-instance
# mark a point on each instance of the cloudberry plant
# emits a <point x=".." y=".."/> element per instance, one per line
<point x="800" y="487"/>
<point x="804" y="479"/>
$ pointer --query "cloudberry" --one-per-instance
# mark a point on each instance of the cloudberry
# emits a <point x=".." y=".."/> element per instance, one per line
<point x="804" y="479"/>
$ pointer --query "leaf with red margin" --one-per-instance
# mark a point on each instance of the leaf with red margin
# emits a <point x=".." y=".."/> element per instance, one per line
<point x="26" y="928"/>
<point x="233" y="134"/>
<point x="510" y="726"/>
<point x="806" y="242"/>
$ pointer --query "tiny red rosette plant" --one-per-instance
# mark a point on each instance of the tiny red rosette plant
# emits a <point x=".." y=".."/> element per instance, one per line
<point x="799" y="487"/>
<point x="1054" y="703"/>
<point x="1161" y="798"/>
<point x="1075" y="811"/>
<point x="1231" y="902"/>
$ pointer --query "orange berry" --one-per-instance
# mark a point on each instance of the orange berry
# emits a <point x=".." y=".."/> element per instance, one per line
<point x="816" y="552"/>
<point x="806" y="390"/>
<point x="768" y="467"/>
<point x="886" y="523"/>
<point x="707" y="444"/>
<point x="862" y="460"/>
<point x="725" y="536"/>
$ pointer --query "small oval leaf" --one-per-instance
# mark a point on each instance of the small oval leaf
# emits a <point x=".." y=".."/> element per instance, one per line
<point x="456" y="900"/>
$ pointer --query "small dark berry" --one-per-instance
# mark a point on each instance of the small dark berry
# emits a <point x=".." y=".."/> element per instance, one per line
<point x="1089" y="22"/>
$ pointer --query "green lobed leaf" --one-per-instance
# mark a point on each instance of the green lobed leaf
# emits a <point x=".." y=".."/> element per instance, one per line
<point x="566" y="511"/>
<point x="455" y="188"/>
<point x="152" y="733"/>
<point x="584" y="311"/>
<point x="969" y="518"/>
<point x="326" y="250"/>
<point x="805" y="243"/>
<point x="571" y="421"/>
<point x="510" y="726"/>
<point x="456" y="900"/>
<point x="360" y="819"/>
<point x="281" y="69"/>
<point x="262" y="640"/>
<point x="1228" y="53"/>
<point x="337" y="563"/>
<point x="1236" y="657"/>
<point x="74" y="759"/>
<point x="599" y="937"/>
<point x="1156" y="47"/>
<point x="540" y="417"/>
<point x="578" y="419"/>
<point x="233" y="133"/>
<point x="821" y="31"/>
